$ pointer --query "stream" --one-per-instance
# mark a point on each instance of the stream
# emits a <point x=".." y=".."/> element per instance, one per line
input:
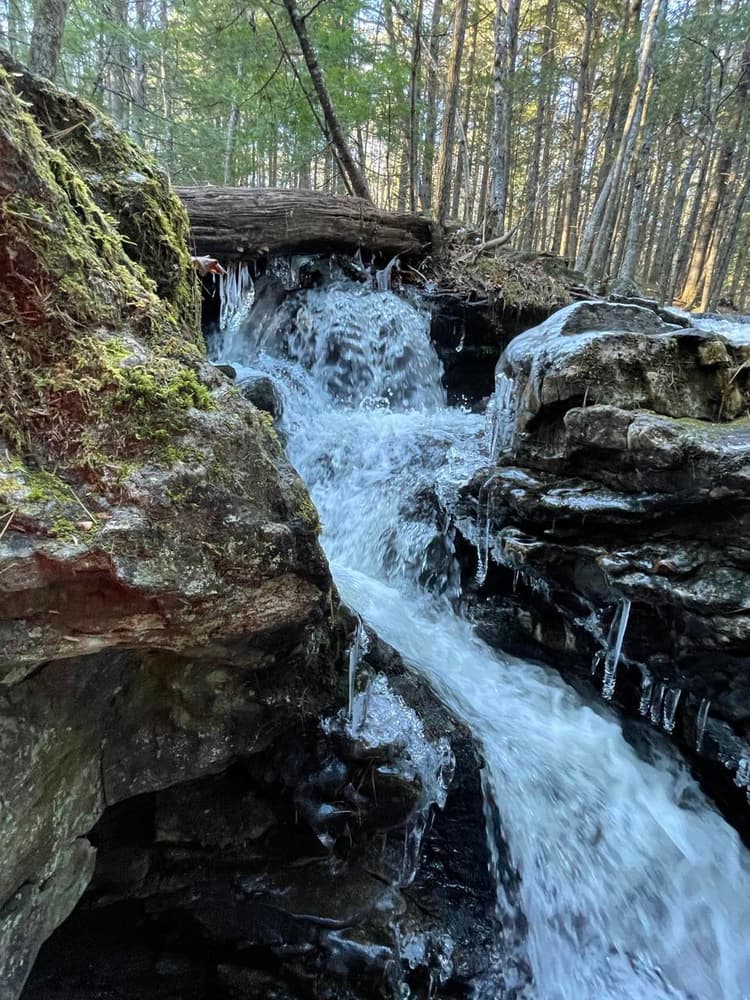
<point x="632" y="885"/>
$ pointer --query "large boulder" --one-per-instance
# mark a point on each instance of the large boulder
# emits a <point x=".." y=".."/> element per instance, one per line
<point x="165" y="606"/>
<point x="620" y="492"/>
<point x="616" y="355"/>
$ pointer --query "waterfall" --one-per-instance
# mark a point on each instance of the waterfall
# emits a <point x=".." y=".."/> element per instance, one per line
<point x="632" y="887"/>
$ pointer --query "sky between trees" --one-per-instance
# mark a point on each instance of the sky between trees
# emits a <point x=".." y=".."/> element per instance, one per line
<point x="613" y="133"/>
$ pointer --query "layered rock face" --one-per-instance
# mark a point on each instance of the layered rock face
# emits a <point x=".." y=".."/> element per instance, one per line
<point x="617" y="520"/>
<point x="169" y="635"/>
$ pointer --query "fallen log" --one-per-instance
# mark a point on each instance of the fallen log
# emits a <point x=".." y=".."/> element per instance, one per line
<point x="246" y="223"/>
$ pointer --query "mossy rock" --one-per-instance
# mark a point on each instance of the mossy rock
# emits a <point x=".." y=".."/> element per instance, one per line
<point x="98" y="361"/>
<point x="123" y="181"/>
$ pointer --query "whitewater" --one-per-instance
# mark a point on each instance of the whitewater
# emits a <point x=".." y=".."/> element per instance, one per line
<point x="632" y="886"/>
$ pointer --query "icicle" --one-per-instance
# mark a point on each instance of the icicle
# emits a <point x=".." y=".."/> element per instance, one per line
<point x="612" y="658"/>
<point x="484" y="527"/>
<point x="234" y="287"/>
<point x="502" y="416"/>
<point x="383" y="278"/>
<point x="356" y="651"/>
<point x="658" y="698"/>
<point x="647" y="687"/>
<point x="413" y="834"/>
<point x="596" y="661"/>
<point x="460" y="345"/>
<point x="742" y="776"/>
<point x="700" y="724"/>
<point x="669" y="712"/>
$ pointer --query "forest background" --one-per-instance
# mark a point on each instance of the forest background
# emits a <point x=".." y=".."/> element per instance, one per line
<point x="612" y="133"/>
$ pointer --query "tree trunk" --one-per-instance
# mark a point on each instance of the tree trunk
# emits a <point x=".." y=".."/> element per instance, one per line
<point x="528" y="230"/>
<point x="231" y="139"/>
<point x="244" y="222"/>
<point x="118" y="62"/>
<point x="47" y="36"/>
<point x="416" y="54"/>
<point x="717" y="265"/>
<point x="506" y="35"/>
<point x="717" y="189"/>
<point x="140" y="73"/>
<point x="632" y="248"/>
<point x="431" y="100"/>
<point x="462" y="160"/>
<point x="595" y="246"/>
<point x="445" y="158"/>
<point x="354" y="174"/>
<point x="569" y="241"/>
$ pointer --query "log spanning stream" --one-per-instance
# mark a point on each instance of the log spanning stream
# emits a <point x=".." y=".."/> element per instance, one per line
<point x="631" y="885"/>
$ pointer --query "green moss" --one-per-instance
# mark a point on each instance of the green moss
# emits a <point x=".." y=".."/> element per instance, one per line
<point x="127" y="185"/>
<point x="45" y="487"/>
<point x="99" y="339"/>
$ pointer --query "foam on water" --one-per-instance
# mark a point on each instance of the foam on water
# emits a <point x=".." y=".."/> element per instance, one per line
<point x="633" y="887"/>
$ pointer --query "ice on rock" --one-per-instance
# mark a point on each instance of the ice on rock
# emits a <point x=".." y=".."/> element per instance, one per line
<point x="700" y="723"/>
<point x="484" y="529"/>
<point x="669" y="712"/>
<point x="614" y="650"/>
<point x="236" y="292"/>
<point x="656" y="703"/>
<point x="647" y="688"/>
<point x="501" y="416"/>
<point x="357" y="650"/>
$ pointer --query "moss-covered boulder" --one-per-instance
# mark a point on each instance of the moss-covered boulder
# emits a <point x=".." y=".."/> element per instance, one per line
<point x="145" y="507"/>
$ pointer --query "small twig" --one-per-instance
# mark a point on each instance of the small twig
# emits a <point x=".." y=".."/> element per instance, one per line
<point x="5" y="527"/>
<point x="80" y="503"/>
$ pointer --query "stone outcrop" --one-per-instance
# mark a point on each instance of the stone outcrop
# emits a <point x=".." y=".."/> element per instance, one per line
<point x="621" y="487"/>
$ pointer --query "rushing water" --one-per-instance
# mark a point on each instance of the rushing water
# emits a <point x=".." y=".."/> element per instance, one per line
<point x="633" y="887"/>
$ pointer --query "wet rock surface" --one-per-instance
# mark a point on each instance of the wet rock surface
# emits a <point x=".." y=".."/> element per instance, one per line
<point x="336" y="862"/>
<point x="624" y="485"/>
<point x="170" y="638"/>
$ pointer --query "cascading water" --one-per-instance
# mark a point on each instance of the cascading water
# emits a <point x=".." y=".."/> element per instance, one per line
<point x="633" y="887"/>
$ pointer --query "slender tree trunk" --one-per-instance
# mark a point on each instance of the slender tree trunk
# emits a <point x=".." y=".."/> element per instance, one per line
<point x="595" y="245"/>
<point x="140" y="72"/>
<point x="684" y="237"/>
<point x="696" y="277"/>
<point x="632" y="242"/>
<point x="569" y="239"/>
<point x="118" y="67"/>
<point x="431" y="100"/>
<point x="529" y="230"/>
<point x="621" y="86"/>
<point x="17" y="33"/>
<point x="47" y="36"/>
<point x="354" y="174"/>
<point x="416" y="53"/>
<point x="462" y="160"/>
<point x="231" y="138"/>
<point x="445" y="156"/>
<point x="506" y="36"/>
<point x="725" y="237"/>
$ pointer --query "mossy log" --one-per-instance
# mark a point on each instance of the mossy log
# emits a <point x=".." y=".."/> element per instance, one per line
<point x="245" y="223"/>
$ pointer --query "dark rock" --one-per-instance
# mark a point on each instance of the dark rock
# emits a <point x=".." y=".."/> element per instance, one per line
<point x="262" y="392"/>
<point x="628" y="478"/>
